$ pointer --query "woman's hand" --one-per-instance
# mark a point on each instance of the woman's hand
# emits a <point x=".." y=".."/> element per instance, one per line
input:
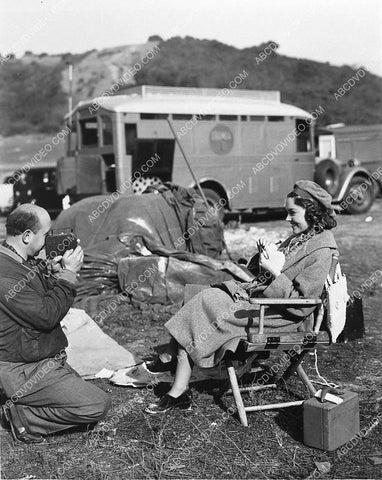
<point x="271" y="259"/>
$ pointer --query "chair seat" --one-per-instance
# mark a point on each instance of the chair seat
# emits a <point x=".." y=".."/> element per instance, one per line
<point x="285" y="341"/>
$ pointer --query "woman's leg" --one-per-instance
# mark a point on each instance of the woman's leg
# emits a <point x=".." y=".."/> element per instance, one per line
<point x="171" y="351"/>
<point x="182" y="374"/>
<point x="178" y="396"/>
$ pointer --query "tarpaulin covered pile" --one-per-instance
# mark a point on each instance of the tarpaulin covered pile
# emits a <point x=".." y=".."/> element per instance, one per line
<point x="162" y="218"/>
<point x="161" y="278"/>
<point x="172" y="226"/>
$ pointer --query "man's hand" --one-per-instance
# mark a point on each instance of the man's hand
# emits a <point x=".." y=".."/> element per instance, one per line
<point x="55" y="265"/>
<point x="73" y="259"/>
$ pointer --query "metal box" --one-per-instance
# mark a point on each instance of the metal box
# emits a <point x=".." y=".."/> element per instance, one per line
<point x="328" y="426"/>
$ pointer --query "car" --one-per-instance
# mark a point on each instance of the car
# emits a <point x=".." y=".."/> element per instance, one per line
<point x="36" y="185"/>
<point x="6" y="198"/>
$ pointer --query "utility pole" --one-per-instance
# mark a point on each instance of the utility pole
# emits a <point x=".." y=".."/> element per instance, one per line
<point x="70" y="95"/>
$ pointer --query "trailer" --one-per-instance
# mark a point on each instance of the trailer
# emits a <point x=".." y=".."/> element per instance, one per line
<point x="243" y="147"/>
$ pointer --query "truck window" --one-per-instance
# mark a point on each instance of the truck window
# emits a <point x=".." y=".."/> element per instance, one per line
<point x="89" y="132"/>
<point x="257" y="118"/>
<point x="303" y="143"/>
<point x="228" y="118"/>
<point x="72" y="138"/>
<point x="130" y="138"/>
<point x="107" y="131"/>
<point x="154" y="116"/>
<point x="181" y="116"/>
<point x="275" y="118"/>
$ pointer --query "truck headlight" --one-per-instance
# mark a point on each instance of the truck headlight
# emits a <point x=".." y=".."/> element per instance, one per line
<point x="354" y="162"/>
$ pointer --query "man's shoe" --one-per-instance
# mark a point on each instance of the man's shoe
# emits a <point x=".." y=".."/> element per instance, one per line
<point x="19" y="433"/>
<point x="167" y="402"/>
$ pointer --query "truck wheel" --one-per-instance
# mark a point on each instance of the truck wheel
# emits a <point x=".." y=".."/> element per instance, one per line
<point x="359" y="196"/>
<point x="212" y="198"/>
<point x="327" y="175"/>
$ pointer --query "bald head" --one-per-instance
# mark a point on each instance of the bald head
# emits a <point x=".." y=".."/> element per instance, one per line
<point x="26" y="217"/>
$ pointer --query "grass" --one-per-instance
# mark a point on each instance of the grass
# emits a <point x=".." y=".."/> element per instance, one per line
<point x="208" y="442"/>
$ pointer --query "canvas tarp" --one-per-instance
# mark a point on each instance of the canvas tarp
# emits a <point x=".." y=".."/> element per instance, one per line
<point x="161" y="218"/>
<point x="130" y="227"/>
<point x="162" y="277"/>
<point x="90" y="349"/>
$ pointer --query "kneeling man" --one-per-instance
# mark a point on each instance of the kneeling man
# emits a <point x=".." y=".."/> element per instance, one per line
<point x="42" y="393"/>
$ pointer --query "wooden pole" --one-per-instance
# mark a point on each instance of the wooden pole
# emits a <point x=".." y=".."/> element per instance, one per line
<point x="188" y="163"/>
<point x="274" y="406"/>
<point x="195" y="179"/>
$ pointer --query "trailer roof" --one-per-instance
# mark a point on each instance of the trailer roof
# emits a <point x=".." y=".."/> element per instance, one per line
<point x="147" y="99"/>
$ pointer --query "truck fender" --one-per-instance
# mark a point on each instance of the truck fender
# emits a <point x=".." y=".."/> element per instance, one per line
<point x="217" y="186"/>
<point x="347" y="178"/>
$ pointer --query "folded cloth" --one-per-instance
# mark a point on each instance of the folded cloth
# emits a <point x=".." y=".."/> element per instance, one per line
<point x="90" y="349"/>
<point x="140" y="376"/>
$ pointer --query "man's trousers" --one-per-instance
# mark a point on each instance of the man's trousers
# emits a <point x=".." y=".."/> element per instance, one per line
<point x="49" y="395"/>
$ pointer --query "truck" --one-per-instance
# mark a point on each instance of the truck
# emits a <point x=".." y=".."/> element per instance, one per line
<point x="221" y="139"/>
<point x="349" y="156"/>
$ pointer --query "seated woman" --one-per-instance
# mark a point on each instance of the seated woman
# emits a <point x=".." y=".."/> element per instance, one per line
<point x="217" y="319"/>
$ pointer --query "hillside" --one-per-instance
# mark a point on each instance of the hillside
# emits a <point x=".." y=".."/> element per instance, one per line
<point x="33" y="89"/>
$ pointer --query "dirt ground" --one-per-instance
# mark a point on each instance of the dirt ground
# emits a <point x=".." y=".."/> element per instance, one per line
<point x="208" y="442"/>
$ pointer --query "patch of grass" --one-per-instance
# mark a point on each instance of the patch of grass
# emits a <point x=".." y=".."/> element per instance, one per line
<point x="207" y="442"/>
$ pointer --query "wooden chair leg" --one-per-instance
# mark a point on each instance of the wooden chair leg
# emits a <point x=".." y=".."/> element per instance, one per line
<point x="247" y="365"/>
<point x="305" y="379"/>
<point x="295" y="366"/>
<point x="236" y="393"/>
<point x="295" y="362"/>
<point x="219" y="392"/>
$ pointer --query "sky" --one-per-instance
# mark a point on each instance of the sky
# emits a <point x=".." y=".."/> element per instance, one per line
<point x="336" y="31"/>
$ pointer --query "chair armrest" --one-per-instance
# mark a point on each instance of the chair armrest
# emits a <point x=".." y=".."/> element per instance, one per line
<point x="285" y="301"/>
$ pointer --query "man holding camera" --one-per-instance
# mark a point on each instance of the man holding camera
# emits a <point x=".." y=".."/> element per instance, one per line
<point x="41" y="392"/>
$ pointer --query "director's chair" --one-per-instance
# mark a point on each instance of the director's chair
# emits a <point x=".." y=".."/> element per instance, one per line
<point x="259" y="343"/>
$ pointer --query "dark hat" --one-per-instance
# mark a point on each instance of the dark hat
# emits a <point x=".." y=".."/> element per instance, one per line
<point x="311" y="190"/>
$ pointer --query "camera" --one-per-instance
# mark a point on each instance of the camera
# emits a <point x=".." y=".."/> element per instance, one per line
<point x="59" y="243"/>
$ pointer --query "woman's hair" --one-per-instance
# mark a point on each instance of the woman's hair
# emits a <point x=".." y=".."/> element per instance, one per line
<point x="316" y="215"/>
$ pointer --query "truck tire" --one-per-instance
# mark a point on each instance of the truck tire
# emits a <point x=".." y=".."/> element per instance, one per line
<point x="327" y="175"/>
<point x="359" y="196"/>
<point x="212" y="198"/>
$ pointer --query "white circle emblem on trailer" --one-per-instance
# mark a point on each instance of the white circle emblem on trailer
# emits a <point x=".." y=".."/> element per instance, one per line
<point x="221" y="139"/>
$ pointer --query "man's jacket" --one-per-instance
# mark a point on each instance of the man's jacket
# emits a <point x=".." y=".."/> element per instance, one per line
<point x="32" y="304"/>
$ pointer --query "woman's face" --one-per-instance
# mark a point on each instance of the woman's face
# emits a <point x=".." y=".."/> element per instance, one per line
<point x="296" y="216"/>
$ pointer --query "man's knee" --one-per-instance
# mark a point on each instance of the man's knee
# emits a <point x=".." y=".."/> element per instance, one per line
<point x="107" y="405"/>
<point x="102" y="407"/>
<point x="94" y="409"/>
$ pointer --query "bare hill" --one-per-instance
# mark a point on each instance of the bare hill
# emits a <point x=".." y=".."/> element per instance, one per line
<point x="33" y="89"/>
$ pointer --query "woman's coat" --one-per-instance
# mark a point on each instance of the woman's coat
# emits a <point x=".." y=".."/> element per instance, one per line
<point x="212" y="322"/>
